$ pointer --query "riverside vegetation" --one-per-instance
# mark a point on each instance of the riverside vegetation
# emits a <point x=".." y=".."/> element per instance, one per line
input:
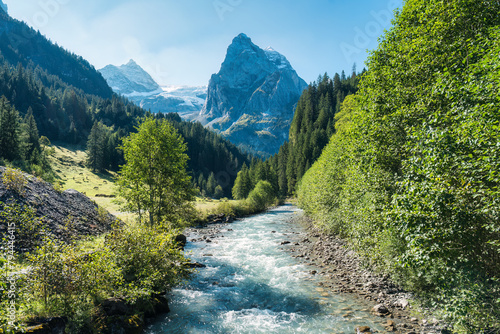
<point x="411" y="176"/>
<point x="135" y="264"/>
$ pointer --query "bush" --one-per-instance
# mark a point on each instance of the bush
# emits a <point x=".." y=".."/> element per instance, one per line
<point x="148" y="258"/>
<point x="132" y="262"/>
<point x="261" y="196"/>
<point x="27" y="229"/>
<point x="14" y="180"/>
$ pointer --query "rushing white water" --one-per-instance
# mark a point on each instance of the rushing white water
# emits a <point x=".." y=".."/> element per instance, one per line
<point x="251" y="285"/>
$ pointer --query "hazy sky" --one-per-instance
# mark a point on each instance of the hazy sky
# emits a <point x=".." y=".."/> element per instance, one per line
<point x="183" y="42"/>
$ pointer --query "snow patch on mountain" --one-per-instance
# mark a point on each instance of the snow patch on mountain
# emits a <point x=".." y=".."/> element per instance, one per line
<point x="133" y="82"/>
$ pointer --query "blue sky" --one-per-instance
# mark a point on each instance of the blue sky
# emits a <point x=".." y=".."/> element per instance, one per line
<point x="182" y="42"/>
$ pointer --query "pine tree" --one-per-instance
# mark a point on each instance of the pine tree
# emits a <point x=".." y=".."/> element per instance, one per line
<point x="211" y="185"/>
<point x="96" y="148"/>
<point x="243" y="184"/>
<point x="32" y="136"/>
<point x="10" y="129"/>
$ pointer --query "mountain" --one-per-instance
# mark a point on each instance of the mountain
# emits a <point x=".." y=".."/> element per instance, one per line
<point x="129" y="78"/>
<point x="3" y="6"/>
<point x="133" y="82"/>
<point x="20" y="44"/>
<point x="251" y="101"/>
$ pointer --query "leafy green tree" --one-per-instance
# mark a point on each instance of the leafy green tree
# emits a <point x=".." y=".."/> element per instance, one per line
<point x="154" y="178"/>
<point x="219" y="193"/>
<point x="261" y="196"/>
<point x="410" y="178"/>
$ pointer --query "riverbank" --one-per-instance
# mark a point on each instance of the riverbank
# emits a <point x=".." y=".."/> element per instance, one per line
<point x="342" y="273"/>
<point x="248" y="283"/>
<point x="345" y="274"/>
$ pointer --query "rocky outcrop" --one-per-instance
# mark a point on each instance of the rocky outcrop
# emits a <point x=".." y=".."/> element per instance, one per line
<point x="251" y="101"/>
<point x="65" y="215"/>
<point x="129" y="78"/>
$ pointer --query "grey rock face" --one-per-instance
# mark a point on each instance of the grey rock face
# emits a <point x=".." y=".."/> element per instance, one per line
<point x="129" y="78"/>
<point x="3" y="6"/>
<point x="251" y="101"/>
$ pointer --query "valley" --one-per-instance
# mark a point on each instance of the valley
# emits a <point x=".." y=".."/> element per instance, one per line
<point x="131" y="203"/>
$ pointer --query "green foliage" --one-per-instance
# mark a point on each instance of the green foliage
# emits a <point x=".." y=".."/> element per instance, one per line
<point x="10" y="130"/>
<point x="242" y="184"/>
<point x="66" y="279"/>
<point x="262" y="196"/>
<point x="154" y="178"/>
<point x="27" y="228"/>
<point x="209" y="153"/>
<point x="312" y="126"/>
<point x="148" y="258"/>
<point x="14" y="180"/>
<point x="133" y="262"/>
<point x="411" y="176"/>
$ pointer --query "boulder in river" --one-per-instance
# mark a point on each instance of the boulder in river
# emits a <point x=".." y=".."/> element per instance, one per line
<point x="362" y="329"/>
<point x="380" y="310"/>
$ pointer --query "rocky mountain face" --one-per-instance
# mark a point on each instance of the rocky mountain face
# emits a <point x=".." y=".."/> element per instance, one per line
<point x="133" y="82"/>
<point x="129" y="78"/>
<point x="251" y="101"/>
<point x="3" y="6"/>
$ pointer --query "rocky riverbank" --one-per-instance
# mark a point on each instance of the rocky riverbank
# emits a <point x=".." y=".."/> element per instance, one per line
<point x="344" y="274"/>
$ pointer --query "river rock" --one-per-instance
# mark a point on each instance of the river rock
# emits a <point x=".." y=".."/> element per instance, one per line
<point x="390" y="326"/>
<point x="362" y="329"/>
<point x="403" y="303"/>
<point x="380" y="310"/>
<point x="195" y="265"/>
<point x="160" y="304"/>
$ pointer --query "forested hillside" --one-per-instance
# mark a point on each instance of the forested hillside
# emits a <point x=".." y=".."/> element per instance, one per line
<point x="411" y="175"/>
<point x="312" y="126"/>
<point x="66" y="100"/>
<point x="20" y="44"/>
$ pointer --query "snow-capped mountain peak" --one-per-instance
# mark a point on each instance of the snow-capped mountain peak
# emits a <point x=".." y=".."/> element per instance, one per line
<point x="251" y="101"/>
<point x="129" y="78"/>
<point x="277" y="58"/>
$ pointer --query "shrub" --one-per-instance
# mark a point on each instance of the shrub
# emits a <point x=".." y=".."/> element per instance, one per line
<point x="261" y="196"/>
<point x="27" y="228"/>
<point x="148" y="258"/>
<point x="14" y="180"/>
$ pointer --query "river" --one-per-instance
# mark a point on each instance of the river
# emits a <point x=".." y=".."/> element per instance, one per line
<point x="253" y="285"/>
